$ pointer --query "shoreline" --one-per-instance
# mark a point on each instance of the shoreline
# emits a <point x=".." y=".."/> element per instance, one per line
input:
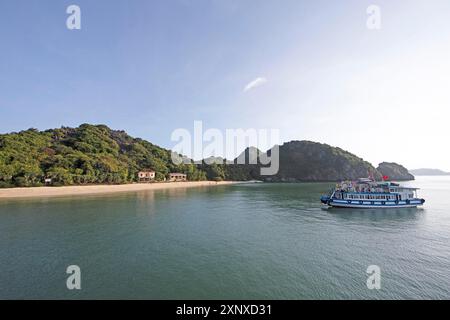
<point x="35" y="192"/>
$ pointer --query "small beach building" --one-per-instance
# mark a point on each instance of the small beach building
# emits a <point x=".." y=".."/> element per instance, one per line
<point x="146" y="175"/>
<point x="177" y="177"/>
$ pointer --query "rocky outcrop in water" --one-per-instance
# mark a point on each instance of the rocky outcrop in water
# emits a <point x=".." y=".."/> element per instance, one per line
<point x="394" y="171"/>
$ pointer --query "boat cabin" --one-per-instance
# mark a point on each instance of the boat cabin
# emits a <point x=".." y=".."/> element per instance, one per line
<point x="365" y="189"/>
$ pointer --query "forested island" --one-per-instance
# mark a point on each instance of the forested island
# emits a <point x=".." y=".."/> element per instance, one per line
<point x="96" y="154"/>
<point x="395" y="171"/>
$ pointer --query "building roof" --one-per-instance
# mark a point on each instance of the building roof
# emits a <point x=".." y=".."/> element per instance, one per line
<point x="177" y="173"/>
<point x="147" y="170"/>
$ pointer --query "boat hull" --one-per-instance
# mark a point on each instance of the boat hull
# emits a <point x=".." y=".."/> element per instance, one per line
<point x="375" y="204"/>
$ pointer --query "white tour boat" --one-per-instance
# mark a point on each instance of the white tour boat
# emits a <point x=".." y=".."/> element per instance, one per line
<point x="367" y="193"/>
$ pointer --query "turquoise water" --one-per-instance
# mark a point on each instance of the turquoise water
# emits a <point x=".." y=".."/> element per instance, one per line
<point x="257" y="241"/>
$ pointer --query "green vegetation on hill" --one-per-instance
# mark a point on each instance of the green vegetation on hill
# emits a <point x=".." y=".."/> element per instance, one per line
<point x="84" y="155"/>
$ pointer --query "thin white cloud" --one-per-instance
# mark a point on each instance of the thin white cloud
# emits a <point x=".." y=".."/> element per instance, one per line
<point x="255" y="83"/>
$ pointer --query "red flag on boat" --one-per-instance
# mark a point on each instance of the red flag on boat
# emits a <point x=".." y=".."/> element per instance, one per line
<point x="385" y="178"/>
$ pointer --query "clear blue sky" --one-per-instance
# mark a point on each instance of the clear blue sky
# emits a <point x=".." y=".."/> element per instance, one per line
<point x="149" y="67"/>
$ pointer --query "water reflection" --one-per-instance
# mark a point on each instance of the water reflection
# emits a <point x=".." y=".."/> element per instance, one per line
<point x="284" y="196"/>
<point x="356" y="215"/>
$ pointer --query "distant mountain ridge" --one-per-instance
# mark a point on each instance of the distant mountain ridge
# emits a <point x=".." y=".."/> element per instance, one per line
<point x="306" y="161"/>
<point x="429" y="172"/>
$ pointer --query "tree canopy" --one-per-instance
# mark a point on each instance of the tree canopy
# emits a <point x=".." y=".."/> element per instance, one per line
<point x="84" y="155"/>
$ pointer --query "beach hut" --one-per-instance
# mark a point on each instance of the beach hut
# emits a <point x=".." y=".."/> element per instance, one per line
<point x="173" y="177"/>
<point x="146" y="175"/>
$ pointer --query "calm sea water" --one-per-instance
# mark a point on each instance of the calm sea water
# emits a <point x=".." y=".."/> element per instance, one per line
<point x="258" y="241"/>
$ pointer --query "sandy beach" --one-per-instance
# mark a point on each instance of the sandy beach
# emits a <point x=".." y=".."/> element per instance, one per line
<point x="10" y="193"/>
